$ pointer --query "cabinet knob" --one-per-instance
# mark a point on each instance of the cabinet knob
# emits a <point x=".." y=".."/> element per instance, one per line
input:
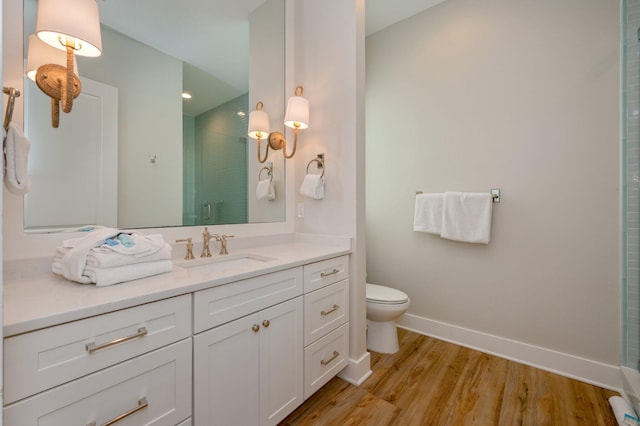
<point x="266" y="323"/>
<point x="255" y="328"/>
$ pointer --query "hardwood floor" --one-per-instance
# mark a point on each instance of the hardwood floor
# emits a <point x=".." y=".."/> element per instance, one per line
<point x="432" y="382"/>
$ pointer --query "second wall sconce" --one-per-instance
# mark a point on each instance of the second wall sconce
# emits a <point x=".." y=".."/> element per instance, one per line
<point x="72" y="26"/>
<point x="295" y="117"/>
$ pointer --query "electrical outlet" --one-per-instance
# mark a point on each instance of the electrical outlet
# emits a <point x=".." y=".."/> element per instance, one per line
<point x="300" y="209"/>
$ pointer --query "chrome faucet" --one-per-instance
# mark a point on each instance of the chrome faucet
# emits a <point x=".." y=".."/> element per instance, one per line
<point x="189" y="254"/>
<point x="223" y="242"/>
<point x="206" y="236"/>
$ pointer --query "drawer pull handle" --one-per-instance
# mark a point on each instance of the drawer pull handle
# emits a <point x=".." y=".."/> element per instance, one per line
<point x="92" y="347"/>
<point x="266" y="323"/>
<point x="335" y="355"/>
<point x="142" y="404"/>
<point x="328" y="274"/>
<point x="333" y="309"/>
<point x="255" y="328"/>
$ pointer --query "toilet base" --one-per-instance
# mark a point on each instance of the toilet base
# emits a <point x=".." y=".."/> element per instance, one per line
<point x="382" y="337"/>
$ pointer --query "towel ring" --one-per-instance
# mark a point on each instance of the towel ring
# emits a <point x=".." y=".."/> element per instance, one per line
<point x="269" y="173"/>
<point x="320" y="163"/>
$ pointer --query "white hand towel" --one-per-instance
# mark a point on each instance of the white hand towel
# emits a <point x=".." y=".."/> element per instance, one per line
<point x="428" y="213"/>
<point x="265" y="190"/>
<point x="17" y="146"/>
<point x="466" y="217"/>
<point x="313" y="187"/>
<point x="102" y="277"/>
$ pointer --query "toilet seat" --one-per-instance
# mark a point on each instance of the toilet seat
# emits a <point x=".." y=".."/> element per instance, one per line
<point x="385" y="295"/>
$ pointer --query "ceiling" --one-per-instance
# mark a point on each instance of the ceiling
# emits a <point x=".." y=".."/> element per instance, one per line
<point x="379" y="14"/>
<point x="212" y="36"/>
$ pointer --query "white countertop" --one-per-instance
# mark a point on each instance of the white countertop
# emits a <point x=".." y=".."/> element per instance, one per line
<point x="46" y="299"/>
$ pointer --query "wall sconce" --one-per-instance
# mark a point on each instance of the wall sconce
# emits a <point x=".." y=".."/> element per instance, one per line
<point x="40" y="53"/>
<point x="295" y="117"/>
<point x="72" y="26"/>
<point x="259" y="128"/>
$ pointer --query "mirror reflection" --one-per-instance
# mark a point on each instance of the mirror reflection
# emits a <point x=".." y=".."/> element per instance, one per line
<point x="134" y="153"/>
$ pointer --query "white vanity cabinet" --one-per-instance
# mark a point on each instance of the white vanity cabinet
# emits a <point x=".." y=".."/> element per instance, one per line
<point x="326" y="326"/>
<point x="249" y="371"/>
<point x="134" y="365"/>
<point x="215" y="351"/>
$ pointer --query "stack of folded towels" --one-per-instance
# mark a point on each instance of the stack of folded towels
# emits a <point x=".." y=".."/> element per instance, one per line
<point x="106" y="256"/>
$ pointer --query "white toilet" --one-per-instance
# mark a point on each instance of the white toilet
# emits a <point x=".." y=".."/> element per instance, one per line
<point x="384" y="306"/>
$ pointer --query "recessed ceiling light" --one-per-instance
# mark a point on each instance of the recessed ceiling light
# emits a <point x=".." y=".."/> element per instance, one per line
<point x="241" y="113"/>
<point x="186" y="95"/>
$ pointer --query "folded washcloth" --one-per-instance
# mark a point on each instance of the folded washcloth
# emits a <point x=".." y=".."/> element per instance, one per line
<point x="265" y="190"/>
<point x="102" y="277"/>
<point x="467" y="217"/>
<point x="428" y="213"/>
<point x="17" y="146"/>
<point x="313" y="187"/>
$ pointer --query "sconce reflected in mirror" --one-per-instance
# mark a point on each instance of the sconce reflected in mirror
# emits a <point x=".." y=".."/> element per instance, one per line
<point x="72" y="26"/>
<point x="259" y="128"/>
<point x="296" y="117"/>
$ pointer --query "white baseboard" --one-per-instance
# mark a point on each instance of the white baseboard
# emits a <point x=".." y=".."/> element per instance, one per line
<point x="585" y="370"/>
<point x="358" y="370"/>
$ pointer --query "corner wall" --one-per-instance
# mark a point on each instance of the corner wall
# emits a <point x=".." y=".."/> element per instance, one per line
<point x="329" y="64"/>
<point x="522" y="96"/>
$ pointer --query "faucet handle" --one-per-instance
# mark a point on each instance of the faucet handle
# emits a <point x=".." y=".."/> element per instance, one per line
<point x="224" y="237"/>
<point x="189" y="242"/>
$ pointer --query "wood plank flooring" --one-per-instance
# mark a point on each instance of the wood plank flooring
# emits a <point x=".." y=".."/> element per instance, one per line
<point x="432" y="382"/>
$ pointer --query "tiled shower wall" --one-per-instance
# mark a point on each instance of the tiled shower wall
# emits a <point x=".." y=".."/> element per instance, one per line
<point x="631" y="200"/>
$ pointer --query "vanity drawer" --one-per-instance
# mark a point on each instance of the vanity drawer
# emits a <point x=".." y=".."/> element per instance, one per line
<point x="49" y="357"/>
<point x="320" y="274"/>
<point x="161" y="379"/>
<point x="228" y="302"/>
<point x="324" y="359"/>
<point x="325" y="309"/>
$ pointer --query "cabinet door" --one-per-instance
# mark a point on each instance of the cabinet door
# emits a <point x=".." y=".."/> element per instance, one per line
<point x="281" y="360"/>
<point x="226" y="375"/>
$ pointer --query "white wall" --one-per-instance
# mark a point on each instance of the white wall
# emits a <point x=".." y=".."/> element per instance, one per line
<point x="330" y="66"/>
<point x="524" y="96"/>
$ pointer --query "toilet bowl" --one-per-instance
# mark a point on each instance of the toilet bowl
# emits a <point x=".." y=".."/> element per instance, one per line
<point x="384" y="306"/>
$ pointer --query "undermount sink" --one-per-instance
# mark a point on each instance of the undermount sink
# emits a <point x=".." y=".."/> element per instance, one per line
<point x="224" y="262"/>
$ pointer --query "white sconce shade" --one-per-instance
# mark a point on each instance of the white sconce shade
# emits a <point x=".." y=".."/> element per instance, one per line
<point x="297" y="113"/>
<point x="40" y="53"/>
<point x="259" y="123"/>
<point x="70" y="21"/>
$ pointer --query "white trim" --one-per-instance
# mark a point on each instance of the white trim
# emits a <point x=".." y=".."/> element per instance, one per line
<point x="585" y="370"/>
<point x="358" y="370"/>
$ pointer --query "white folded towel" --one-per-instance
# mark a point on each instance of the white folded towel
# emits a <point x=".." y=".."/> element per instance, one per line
<point x="102" y="277"/>
<point x="17" y="146"/>
<point x="313" y="187"/>
<point x="75" y="260"/>
<point x="72" y="262"/>
<point x="265" y="190"/>
<point x="107" y="276"/>
<point x="103" y="259"/>
<point x="467" y="217"/>
<point x="428" y="213"/>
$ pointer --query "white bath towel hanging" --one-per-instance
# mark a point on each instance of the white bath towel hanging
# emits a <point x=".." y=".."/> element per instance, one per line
<point x="265" y="190"/>
<point x="313" y="187"/>
<point x="428" y="213"/>
<point x="17" y="147"/>
<point x="466" y="217"/>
